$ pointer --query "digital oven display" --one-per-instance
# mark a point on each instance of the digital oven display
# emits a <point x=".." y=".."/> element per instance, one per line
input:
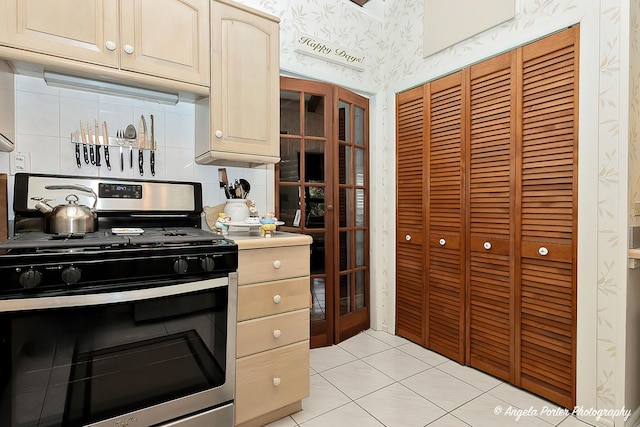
<point x="119" y="191"/>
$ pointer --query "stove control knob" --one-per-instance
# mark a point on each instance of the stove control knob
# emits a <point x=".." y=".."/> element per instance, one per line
<point x="30" y="278"/>
<point x="71" y="275"/>
<point x="207" y="263"/>
<point x="180" y="266"/>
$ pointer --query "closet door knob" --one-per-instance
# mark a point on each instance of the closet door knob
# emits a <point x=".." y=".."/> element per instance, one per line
<point x="487" y="245"/>
<point x="277" y="299"/>
<point x="128" y="49"/>
<point x="110" y="45"/>
<point x="276" y="333"/>
<point x="276" y="382"/>
<point x="277" y="264"/>
<point x="442" y="242"/>
<point x="407" y="237"/>
<point x="218" y="134"/>
<point x="543" y="251"/>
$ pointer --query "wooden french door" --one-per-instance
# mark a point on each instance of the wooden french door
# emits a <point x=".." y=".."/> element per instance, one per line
<point x="322" y="190"/>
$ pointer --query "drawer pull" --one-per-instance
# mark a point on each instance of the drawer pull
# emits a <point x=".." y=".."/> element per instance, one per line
<point x="276" y="333"/>
<point x="110" y="45"/>
<point x="276" y="382"/>
<point x="407" y="237"/>
<point x="277" y="299"/>
<point x="442" y="242"/>
<point x="277" y="264"/>
<point x="543" y="251"/>
<point x="128" y="49"/>
<point x="487" y="245"/>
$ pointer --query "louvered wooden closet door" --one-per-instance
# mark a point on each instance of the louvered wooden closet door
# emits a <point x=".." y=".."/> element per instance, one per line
<point x="410" y="253"/>
<point x="549" y="217"/>
<point x="491" y="210"/>
<point x="445" y="278"/>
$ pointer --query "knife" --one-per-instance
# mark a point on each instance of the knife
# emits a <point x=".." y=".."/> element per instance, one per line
<point x="142" y="142"/>
<point x="105" y="141"/>
<point x="78" y="162"/>
<point x="92" y="155"/>
<point x="152" y="154"/>
<point x="97" y="140"/>
<point x="84" y="144"/>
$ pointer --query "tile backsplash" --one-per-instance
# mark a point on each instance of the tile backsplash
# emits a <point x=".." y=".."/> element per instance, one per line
<point x="46" y="117"/>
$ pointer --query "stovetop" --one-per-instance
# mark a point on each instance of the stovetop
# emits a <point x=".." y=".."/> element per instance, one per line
<point x="37" y="241"/>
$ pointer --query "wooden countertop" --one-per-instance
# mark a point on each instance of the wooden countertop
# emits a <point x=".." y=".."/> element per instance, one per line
<point x="634" y="253"/>
<point x="256" y="241"/>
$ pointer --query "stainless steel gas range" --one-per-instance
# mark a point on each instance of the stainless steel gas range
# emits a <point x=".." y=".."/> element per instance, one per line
<point x="132" y="324"/>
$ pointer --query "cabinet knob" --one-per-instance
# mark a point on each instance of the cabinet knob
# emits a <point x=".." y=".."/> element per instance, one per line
<point x="442" y="242"/>
<point x="110" y="45"/>
<point x="277" y="264"/>
<point x="218" y="134"/>
<point x="277" y="299"/>
<point x="487" y="245"/>
<point x="276" y="382"/>
<point x="543" y="251"/>
<point x="277" y="333"/>
<point x="407" y="237"/>
<point x="128" y="49"/>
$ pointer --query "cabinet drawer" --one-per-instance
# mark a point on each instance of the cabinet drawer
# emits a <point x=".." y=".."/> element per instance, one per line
<point x="262" y="265"/>
<point x="265" y="299"/>
<point x="271" y="332"/>
<point x="271" y="380"/>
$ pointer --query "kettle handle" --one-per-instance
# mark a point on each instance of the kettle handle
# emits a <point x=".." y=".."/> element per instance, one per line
<point x="77" y="187"/>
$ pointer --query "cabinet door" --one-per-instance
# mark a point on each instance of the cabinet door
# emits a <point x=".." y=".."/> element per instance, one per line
<point x="410" y="218"/>
<point x="549" y="217"/>
<point x="166" y="38"/>
<point x="245" y="82"/>
<point x="445" y="271"/>
<point x="491" y="210"/>
<point x="75" y="29"/>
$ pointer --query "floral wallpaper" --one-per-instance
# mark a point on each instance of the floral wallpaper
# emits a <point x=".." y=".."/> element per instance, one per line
<point x="394" y="63"/>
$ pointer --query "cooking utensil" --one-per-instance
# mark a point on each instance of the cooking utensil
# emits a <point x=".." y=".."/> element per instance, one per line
<point x="152" y="154"/>
<point x="120" y="140"/>
<point x="92" y="155"/>
<point x="71" y="218"/>
<point x="78" y="162"/>
<point x="105" y="141"/>
<point x="224" y="182"/>
<point x="142" y="142"/>
<point x="245" y="187"/>
<point x="84" y="144"/>
<point x="130" y="134"/>
<point x="97" y="142"/>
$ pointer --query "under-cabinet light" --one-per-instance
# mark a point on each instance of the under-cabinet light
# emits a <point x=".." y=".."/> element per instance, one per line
<point x="107" y="88"/>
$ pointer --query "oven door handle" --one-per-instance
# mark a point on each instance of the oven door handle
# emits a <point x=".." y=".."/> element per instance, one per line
<point x="44" y="303"/>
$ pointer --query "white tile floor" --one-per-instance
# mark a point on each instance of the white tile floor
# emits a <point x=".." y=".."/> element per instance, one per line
<point x="378" y="379"/>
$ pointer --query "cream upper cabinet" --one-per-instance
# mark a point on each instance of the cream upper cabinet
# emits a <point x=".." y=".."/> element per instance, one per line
<point x="164" y="38"/>
<point x="239" y="123"/>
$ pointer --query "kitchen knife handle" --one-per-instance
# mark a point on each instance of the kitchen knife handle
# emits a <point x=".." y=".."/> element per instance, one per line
<point x="106" y="157"/>
<point x="78" y="162"/>
<point x="98" y="156"/>
<point x="121" y="160"/>
<point x="92" y="155"/>
<point x="152" y="162"/>
<point x="130" y="156"/>
<point x="141" y="161"/>
<point x="86" y="153"/>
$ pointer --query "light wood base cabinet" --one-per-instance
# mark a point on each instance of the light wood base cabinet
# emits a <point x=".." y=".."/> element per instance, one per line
<point x="272" y="350"/>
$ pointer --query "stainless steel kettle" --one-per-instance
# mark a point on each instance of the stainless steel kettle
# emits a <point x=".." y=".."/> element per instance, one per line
<point x="71" y="218"/>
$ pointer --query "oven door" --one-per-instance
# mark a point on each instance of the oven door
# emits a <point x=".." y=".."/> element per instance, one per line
<point x="142" y="357"/>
